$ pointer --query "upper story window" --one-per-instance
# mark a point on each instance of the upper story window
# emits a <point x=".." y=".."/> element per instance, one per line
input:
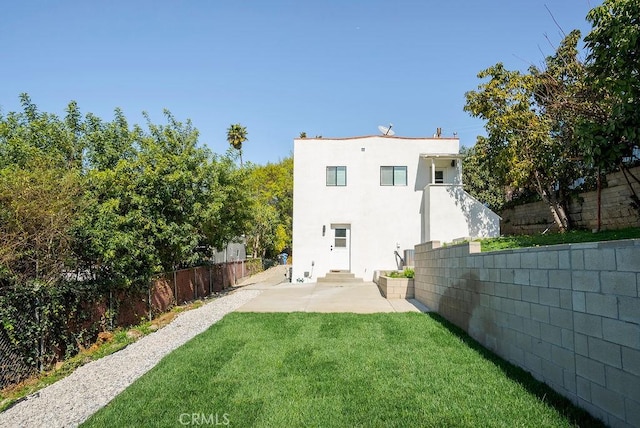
<point x="336" y="176"/>
<point x="439" y="177"/>
<point x="393" y="175"/>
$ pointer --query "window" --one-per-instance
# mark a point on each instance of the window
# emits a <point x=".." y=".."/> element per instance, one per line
<point x="336" y="176"/>
<point x="340" y="238"/>
<point x="439" y="175"/>
<point x="393" y="175"/>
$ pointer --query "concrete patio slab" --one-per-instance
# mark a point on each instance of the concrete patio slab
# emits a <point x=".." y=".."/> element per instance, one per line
<point x="363" y="297"/>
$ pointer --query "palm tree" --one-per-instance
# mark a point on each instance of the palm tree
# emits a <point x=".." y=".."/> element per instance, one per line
<point x="236" y="135"/>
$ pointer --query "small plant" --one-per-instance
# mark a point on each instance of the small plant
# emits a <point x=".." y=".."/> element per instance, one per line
<point x="407" y="273"/>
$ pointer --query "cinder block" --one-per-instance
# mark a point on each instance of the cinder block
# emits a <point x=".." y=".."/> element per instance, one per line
<point x="541" y="348"/>
<point x="621" y="332"/>
<point x="548" y="259"/>
<point x="501" y="289"/>
<point x="606" y="352"/>
<point x="609" y="400"/>
<point x="583" y="388"/>
<point x="564" y="259"/>
<point x="521" y="276"/>
<point x="523" y="341"/>
<point x="540" y="313"/>
<point x="600" y="259"/>
<point x="506" y="305"/>
<point x="628" y="259"/>
<point x="539" y="278"/>
<point x="488" y="261"/>
<point x="577" y="259"/>
<point x="513" y="260"/>
<point x="570" y="383"/>
<point x="590" y="369"/>
<point x="629" y="309"/>
<point x="583" y="280"/>
<point x="551" y="334"/>
<point x="590" y="325"/>
<point x="506" y="276"/>
<point x="531" y="327"/>
<point x="530" y="294"/>
<point x="601" y="304"/>
<point x="552" y="373"/>
<point x="564" y="358"/>
<point x="529" y="260"/>
<point x="579" y="301"/>
<point x="560" y="279"/>
<point x="533" y="363"/>
<point x="566" y="299"/>
<point x="500" y="261"/>
<point x="623" y="382"/>
<point x="561" y="318"/>
<point x="620" y="283"/>
<point x="633" y="412"/>
<point x="514" y="291"/>
<point x="523" y="309"/>
<point x="550" y="297"/>
<point x="568" y="339"/>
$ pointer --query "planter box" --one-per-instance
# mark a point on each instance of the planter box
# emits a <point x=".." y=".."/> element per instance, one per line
<point x="396" y="288"/>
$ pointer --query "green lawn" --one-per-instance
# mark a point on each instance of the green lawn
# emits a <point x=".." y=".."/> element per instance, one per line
<point x="342" y="370"/>
<point x="571" y="237"/>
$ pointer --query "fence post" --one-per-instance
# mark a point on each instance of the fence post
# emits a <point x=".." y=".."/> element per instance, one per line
<point x="195" y="284"/>
<point x="175" y="287"/>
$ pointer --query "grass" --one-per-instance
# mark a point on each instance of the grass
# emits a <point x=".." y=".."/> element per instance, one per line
<point x="336" y="370"/>
<point x="571" y="237"/>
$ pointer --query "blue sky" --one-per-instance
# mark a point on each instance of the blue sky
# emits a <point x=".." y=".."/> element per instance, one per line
<point x="331" y="68"/>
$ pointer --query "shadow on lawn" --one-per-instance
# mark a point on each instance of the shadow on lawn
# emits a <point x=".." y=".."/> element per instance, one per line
<point x="577" y="416"/>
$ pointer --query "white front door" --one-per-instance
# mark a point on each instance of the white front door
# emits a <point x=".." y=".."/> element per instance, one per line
<point x="341" y="247"/>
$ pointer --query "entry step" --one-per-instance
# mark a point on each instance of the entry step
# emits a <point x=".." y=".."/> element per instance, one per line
<point x="339" y="276"/>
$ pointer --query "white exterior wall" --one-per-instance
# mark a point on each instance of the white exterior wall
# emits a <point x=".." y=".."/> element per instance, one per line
<point x="381" y="218"/>
<point x="452" y="213"/>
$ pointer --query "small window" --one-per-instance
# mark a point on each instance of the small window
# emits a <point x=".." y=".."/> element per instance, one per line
<point x="340" y="238"/>
<point x="439" y="176"/>
<point x="393" y="175"/>
<point x="336" y="176"/>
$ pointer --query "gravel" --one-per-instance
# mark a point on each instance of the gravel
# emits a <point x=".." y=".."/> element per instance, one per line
<point x="70" y="401"/>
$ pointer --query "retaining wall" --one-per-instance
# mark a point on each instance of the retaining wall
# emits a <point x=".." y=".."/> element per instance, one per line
<point x="568" y="314"/>
<point x="616" y="210"/>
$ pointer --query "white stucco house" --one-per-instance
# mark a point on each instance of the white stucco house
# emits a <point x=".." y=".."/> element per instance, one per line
<point x="358" y="200"/>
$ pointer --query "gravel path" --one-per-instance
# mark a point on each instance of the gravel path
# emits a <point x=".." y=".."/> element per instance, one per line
<point x="70" y="401"/>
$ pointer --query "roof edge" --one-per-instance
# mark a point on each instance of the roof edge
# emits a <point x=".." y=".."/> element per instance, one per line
<point x="381" y="136"/>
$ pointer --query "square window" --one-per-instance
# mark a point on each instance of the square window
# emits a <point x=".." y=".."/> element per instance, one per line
<point x="393" y="175"/>
<point x="336" y="176"/>
<point x="439" y="176"/>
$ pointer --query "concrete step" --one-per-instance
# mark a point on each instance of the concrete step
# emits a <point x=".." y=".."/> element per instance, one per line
<point x="339" y="276"/>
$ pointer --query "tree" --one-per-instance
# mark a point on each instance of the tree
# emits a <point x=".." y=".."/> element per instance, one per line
<point x="236" y="135"/>
<point x="479" y="179"/>
<point x="610" y="135"/>
<point x="271" y="187"/>
<point x="519" y="145"/>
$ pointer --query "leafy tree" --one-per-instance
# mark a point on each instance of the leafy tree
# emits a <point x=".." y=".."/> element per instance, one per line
<point x="38" y="205"/>
<point x="479" y="179"/>
<point x="610" y="133"/>
<point x="236" y="135"/>
<point x="519" y="145"/>
<point x="271" y="188"/>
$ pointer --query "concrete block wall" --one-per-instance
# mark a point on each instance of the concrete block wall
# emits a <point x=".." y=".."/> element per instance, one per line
<point x="568" y="314"/>
<point x="616" y="210"/>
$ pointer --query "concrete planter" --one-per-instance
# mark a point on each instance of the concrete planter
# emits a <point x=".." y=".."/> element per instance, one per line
<point x="396" y="288"/>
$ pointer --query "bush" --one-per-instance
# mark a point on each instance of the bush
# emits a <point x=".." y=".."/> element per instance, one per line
<point x="407" y="273"/>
